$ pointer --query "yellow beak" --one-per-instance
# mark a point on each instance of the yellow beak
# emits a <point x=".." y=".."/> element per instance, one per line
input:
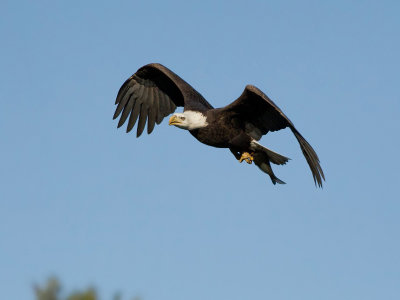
<point x="174" y="120"/>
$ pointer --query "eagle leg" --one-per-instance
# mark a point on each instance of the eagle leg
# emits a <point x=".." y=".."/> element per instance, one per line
<point x="248" y="157"/>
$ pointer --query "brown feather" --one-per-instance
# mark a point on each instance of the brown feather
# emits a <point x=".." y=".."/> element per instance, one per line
<point x="143" y="114"/>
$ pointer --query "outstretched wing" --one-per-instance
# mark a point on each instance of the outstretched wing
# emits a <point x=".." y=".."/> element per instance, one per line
<point x="151" y="94"/>
<point x="261" y="115"/>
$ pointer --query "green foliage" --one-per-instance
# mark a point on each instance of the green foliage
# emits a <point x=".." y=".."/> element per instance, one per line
<point x="89" y="294"/>
<point x="52" y="291"/>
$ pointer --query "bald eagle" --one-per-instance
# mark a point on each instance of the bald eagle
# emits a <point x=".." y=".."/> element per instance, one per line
<point x="154" y="92"/>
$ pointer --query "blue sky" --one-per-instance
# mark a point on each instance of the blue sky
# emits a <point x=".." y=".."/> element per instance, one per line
<point x="165" y="217"/>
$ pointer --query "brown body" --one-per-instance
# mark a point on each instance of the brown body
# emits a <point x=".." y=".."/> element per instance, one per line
<point x="225" y="131"/>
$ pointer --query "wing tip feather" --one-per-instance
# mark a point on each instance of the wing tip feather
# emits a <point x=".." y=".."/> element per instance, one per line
<point x="311" y="158"/>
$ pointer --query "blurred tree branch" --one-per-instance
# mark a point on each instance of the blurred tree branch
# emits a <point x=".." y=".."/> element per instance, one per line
<point x="52" y="291"/>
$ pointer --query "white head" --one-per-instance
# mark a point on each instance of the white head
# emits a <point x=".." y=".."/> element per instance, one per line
<point x="188" y="120"/>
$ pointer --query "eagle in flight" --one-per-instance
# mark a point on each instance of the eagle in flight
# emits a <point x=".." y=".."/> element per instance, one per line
<point x="154" y="92"/>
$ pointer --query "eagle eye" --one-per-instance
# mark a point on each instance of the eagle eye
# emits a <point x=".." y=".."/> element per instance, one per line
<point x="183" y="118"/>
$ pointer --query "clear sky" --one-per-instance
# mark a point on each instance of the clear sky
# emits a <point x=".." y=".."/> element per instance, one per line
<point x="165" y="217"/>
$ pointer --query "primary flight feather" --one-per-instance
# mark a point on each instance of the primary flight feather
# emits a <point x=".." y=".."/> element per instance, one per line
<point x="154" y="92"/>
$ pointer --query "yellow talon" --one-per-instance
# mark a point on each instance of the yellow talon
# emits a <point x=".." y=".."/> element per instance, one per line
<point x="247" y="157"/>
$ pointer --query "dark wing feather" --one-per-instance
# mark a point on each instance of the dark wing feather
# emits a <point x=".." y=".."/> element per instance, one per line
<point x="151" y="94"/>
<point x="261" y="113"/>
<point x="152" y="111"/>
<point x="159" y="107"/>
<point x="133" y="118"/>
<point x="143" y="113"/>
